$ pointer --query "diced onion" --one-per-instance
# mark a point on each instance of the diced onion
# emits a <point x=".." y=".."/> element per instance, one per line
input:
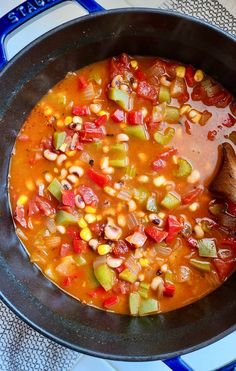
<point x="182" y="274"/>
<point x="132" y="265"/>
<point x="99" y="261"/>
<point x="52" y="241"/>
<point x="132" y="221"/>
<point x="163" y="250"/>
<point x="51" y="225"/>
<point x="88" y="93"/>
<point x="124" y="195"/>
<point x="21" y="234"/>
<point x="85" y="157"/>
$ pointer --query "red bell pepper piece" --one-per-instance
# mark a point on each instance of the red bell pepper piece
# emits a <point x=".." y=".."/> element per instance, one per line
<point x="224" y="268"/>
<point x="68" y="198"/>
<point x="72" y="231"/>
<point x="120" y="268"/>
<point x="90" y="132"/>
<point x="155" y="233"/>
<point x="79" y="245"/>
<point x="118" y="115"/>
<point x="191" y="196"/>
<point x="80" y="110"/>
<point x="82" y="82"/>
<point x="67" y="281"/>
<point x="169" y="290"/>
<point x="229" y="241"/>
<point x="189" y="76"/>
<point x="147" y="91"/>
<point x="100" y="179"/>
<point x="135" y="117"/>
<point x="109" y="302"/>
<point x="44" y="206"/>
<point x="173" y="228"/>
<point x="98" y="292"/>
<point x="101" y="120"/>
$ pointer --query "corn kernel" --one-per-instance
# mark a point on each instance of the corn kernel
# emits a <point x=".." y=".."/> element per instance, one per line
<point x="60" y="124"/>
<point x="134" y="64"/>
<point x="90" y="210"/>
<point x="71" y="153"/>
<point x="144" y="262"/>
<point x="82" y="223"/>
<point x="22" y="200"/>
<point x="102" y="112"/>
<point x="68" y="120"/>
<point x="159" y="181"/>
<point x="90" y="218"/>
<point x="180" y="71"/>
<point x="104" y="249"/>
<point x="110" y="191"/>
<point x="198" y="76"/>
<point x="86" y="234"/>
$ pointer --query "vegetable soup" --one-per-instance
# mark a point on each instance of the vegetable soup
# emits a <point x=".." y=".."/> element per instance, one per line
<point x="121" y="185"/>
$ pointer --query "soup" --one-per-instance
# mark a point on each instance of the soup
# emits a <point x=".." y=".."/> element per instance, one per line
<point x="109" y="185"/>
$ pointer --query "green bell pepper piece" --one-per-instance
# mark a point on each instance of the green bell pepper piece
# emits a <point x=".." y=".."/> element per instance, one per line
<point x="130" y="171"/>
<point x="137" y="131"/>
<point x="170" y="201"/>
<point x="64" y="218"/>
<point x="148" y="306"/>
<point x="143" y="289"/>
<point x="55" y="188"/>
<point x="201" y="265"/>
<point x="207" y="248"/>
<point x="152" y="204"/>
<point x="164" y="94"/>
<point x="134" y="302"/>
<point x="128" y="276"/>
<point x="119" y="147"/>
<point x="59" y="138"/>
<point x="140" y="194"/>
<point x="122" y="98"/>
<point x="105" y="276"/>
<point x="185" y="168"/>
<point x="164" y="138"/>
<point x="171" y="115"/>
<point x="80" y="260"/>
<point x="119" y="162"/>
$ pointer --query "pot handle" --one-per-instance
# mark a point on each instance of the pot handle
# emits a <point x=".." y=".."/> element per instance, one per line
<point x="28" y="10"/>
<point x="177" y="364"/>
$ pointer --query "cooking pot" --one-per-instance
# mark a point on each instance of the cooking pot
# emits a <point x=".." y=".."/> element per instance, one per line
<point x="23" y="81"/>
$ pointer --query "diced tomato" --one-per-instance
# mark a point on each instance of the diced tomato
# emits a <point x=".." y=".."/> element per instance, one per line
<point x="118" y="115"/>
<point x="81" y="110"/>
<point x="147" y="91"/>
<point x="178" y="90"/>
<point x="90" y="132"/>
<point x="120" y="248"/>
<point x="79" y="146"/>
<point x="44" y="206"/>
<point x="158" y="164"/>
<point x="79" y="245"/>
<point x="140" y="75"/>
<point x="173" y="228"/>
<point x="169" y="290"/>
<point x="98" y="292"/>
<point x="211" y="135"/>
<point x="19" y="215"/>
<point x="32" y="208"/>
<point x="191" y="196"/>
<point x="101" y="120"/>
<point x="229" y="241"/>
<point x="67" y="281"/>
<point x="229" y="121"/>
<point x="155" y="233"/>
<point x="119" y="65"/>
<point x="88" y="195"/>
<point x="109" y="302"/>
<point x="233" y="107"/>
<point x="121" y="287"/>
<point x="231" y="208"/>
<point x="72" y="231"/>
<point x="135" y="117"/>
<point x="68" y="197"/>
<point x="121" y="268"/>
<point x="192" y="242"/>
<point x="224" y="268"/>
<point x="189" y="76"/>
<point x="100" y="179"/>
<point x="46" y="143"/>
<point x="65" y="249"/>
<point x="187" y="127"/>
<point x="82" y="82"/>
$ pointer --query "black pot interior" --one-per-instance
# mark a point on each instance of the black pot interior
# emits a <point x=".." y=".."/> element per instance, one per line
<point x="23" y="82"/>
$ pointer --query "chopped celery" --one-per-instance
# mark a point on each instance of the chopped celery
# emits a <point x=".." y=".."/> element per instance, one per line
<point x="134" y="302"/>
<point x="64" y="218"/>
<point x="164" y="94"/>
<point x="143" y="289"/>
<point x="122" y="98"/>
<point x="170" y="201"/>
<point x="55" y="188"/>
<point x="130" y="171"/>
<point x="152" y="204"/>
<point x="105" y="276"/>
<point x="148" y="306"/>
<point x="119" y="147"/>
<point x="140" y="194"/>
<point x="171" y="114"/>
<point x="166" y="137"/>
<point x="59" y="138"/>
<point x="119" y="162"/>
<point x="128" y="276"/>
<point x="185" y="168"/>
<point x="169" y="276"/>
<point x="93" y="282"/>
<point x="79" y="260"/>
<point x="137" y="131"/>
<point x="207" y="248"/>
<point x="201" y="265"/>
